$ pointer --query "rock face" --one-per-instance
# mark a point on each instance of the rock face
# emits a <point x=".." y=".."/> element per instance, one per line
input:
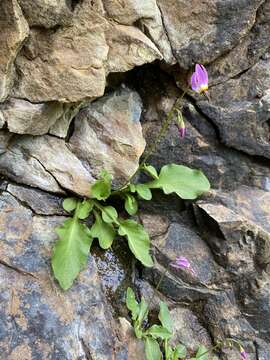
<point x="14" y="32"/>
<point x="107" y="135"/>
<point x="72" y="105"/>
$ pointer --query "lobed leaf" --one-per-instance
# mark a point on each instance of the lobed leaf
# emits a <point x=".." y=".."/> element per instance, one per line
<point x="132" y="304"/>
<point x="138" y="240"/>
<point x="71" y="251"/>
<point x="104" y="232"/>
<point x="185" y="182"/>
<point x="144" y="192"/>
<point x="150" y="170"/>
<point x="131" y="204"/>
<point x="152" y="349"/>
<point x="109" y="214"/>
<point x="101" y="189"/>
<point x="157" y="331"/>
<point x="164" y="317"/>
<point x="70" y="204"/>
<point x="85" y="209"/>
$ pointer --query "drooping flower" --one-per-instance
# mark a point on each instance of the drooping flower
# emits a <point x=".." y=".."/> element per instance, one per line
<point x="182" y="263"/>
<point x="243" y="353"/>
<point x="181" y="124"/>
<point x="199" y="79"/>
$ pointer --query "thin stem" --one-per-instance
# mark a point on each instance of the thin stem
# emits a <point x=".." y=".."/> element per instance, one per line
<point x="154" y="145"/>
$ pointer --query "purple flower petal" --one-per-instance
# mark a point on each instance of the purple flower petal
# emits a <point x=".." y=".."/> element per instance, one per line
<point x="244" y="355"/>
<point x="182" y="263"/>
<point x="194" y="82"/>
<point x="199" y="79"/>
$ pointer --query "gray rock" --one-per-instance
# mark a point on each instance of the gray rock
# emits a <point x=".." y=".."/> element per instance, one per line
<point x="199" y="32"/>
<point x="108" y="135"/>
<point x="240" y="109"/>
<point x="188" y="331"/>
<point x="46" y="13"/>
<point x="148" y="15"/>
<point x="45" y="162"/>
<point x="48" y="322"/>
<point x="245" y="54"/>
<point x="23" y="117"/>
<point x="40" y="202"/>
<point x="70" y="64"/>
<point x="14" y="31"/>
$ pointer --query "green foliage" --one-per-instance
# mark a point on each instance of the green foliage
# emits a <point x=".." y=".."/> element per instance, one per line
<point x="164" y="317"/>
<point x="157" y="336"/>
<point x="138" y="240"/>
<point x="150" y="170"/>
<point x="185" y="182"/>
<point x="152" y="349"/>
<point x="131" y="204"/>
<point x="75" y="238"/>
<point x="103" y="231"/>
<point x="70" y="204"/>
<point x="71" y="251"/>
<point x="101" y="189"/>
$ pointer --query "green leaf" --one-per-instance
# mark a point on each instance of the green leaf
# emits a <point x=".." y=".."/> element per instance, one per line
<point x="215" y="357"/>
<point x="144" y="191"/>
<point x="164" y="317"/>
<point x="109" y="214"/>
<point x="131" y="204"/>
<point x="104" y="232"/>
<point x="132" y="188"/>
<point x="101" y="189"/>
<point x="157" y="331"/>
<point x="185" y="182"/>
<point x="150" y="170"/>
<point x="132" y="304"/>
<point x="71" y="251"/>
<point x="180" y="352"/>
<point x="143" y="312"/>
<point x="85" y="208"/>
<point x="70" y="204"/>
<point x="152" y="350"/>
<point x="138" y="240"/>
<point x="202" y="353"/>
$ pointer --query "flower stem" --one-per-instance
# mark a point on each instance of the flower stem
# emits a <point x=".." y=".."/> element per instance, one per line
<point x="154" y="145"/>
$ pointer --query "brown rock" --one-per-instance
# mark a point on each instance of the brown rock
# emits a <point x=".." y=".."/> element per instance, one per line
<point x="199" y="32"/>
<point x="23" y="117"/>
<point x="46" y="13"/>
<point x="14" y="30"/>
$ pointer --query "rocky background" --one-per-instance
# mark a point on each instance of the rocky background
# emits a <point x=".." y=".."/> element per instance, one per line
<point x="84" y="85"/>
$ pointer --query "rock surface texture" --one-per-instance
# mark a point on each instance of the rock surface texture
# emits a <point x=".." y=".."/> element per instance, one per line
<point x="85" y="86"/>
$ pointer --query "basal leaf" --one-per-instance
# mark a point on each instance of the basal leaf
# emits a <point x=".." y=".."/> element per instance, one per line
<point x="143" y="311"/>
<point x="144" y="192"/>
<point x="180" y="352"/>
<point x="71" y="251"/>
<point x="202" y="353"/>
<point x="157" y="331"/>
<point x="164" y="317"/>
<point x="150" y="170"/>
<point x="85" y="208"/>
<point x="131" y="204"/>
<point x="70" y="204"/>
<point x="132" y="304"/>
<point x="152" y="350"/>
<point x="138" y="240"/>
<point x="101" y="189"/>
<point x="109" y="214"/>
<point x="103" y="231"/>
<point x="185" y="182"/>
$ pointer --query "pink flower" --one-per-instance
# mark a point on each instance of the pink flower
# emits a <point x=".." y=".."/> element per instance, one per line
<point x="199" y="79"/>
<point x="182" y="263"/>
<point x="243" y="354"/>
<point x="181" y="124"/>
